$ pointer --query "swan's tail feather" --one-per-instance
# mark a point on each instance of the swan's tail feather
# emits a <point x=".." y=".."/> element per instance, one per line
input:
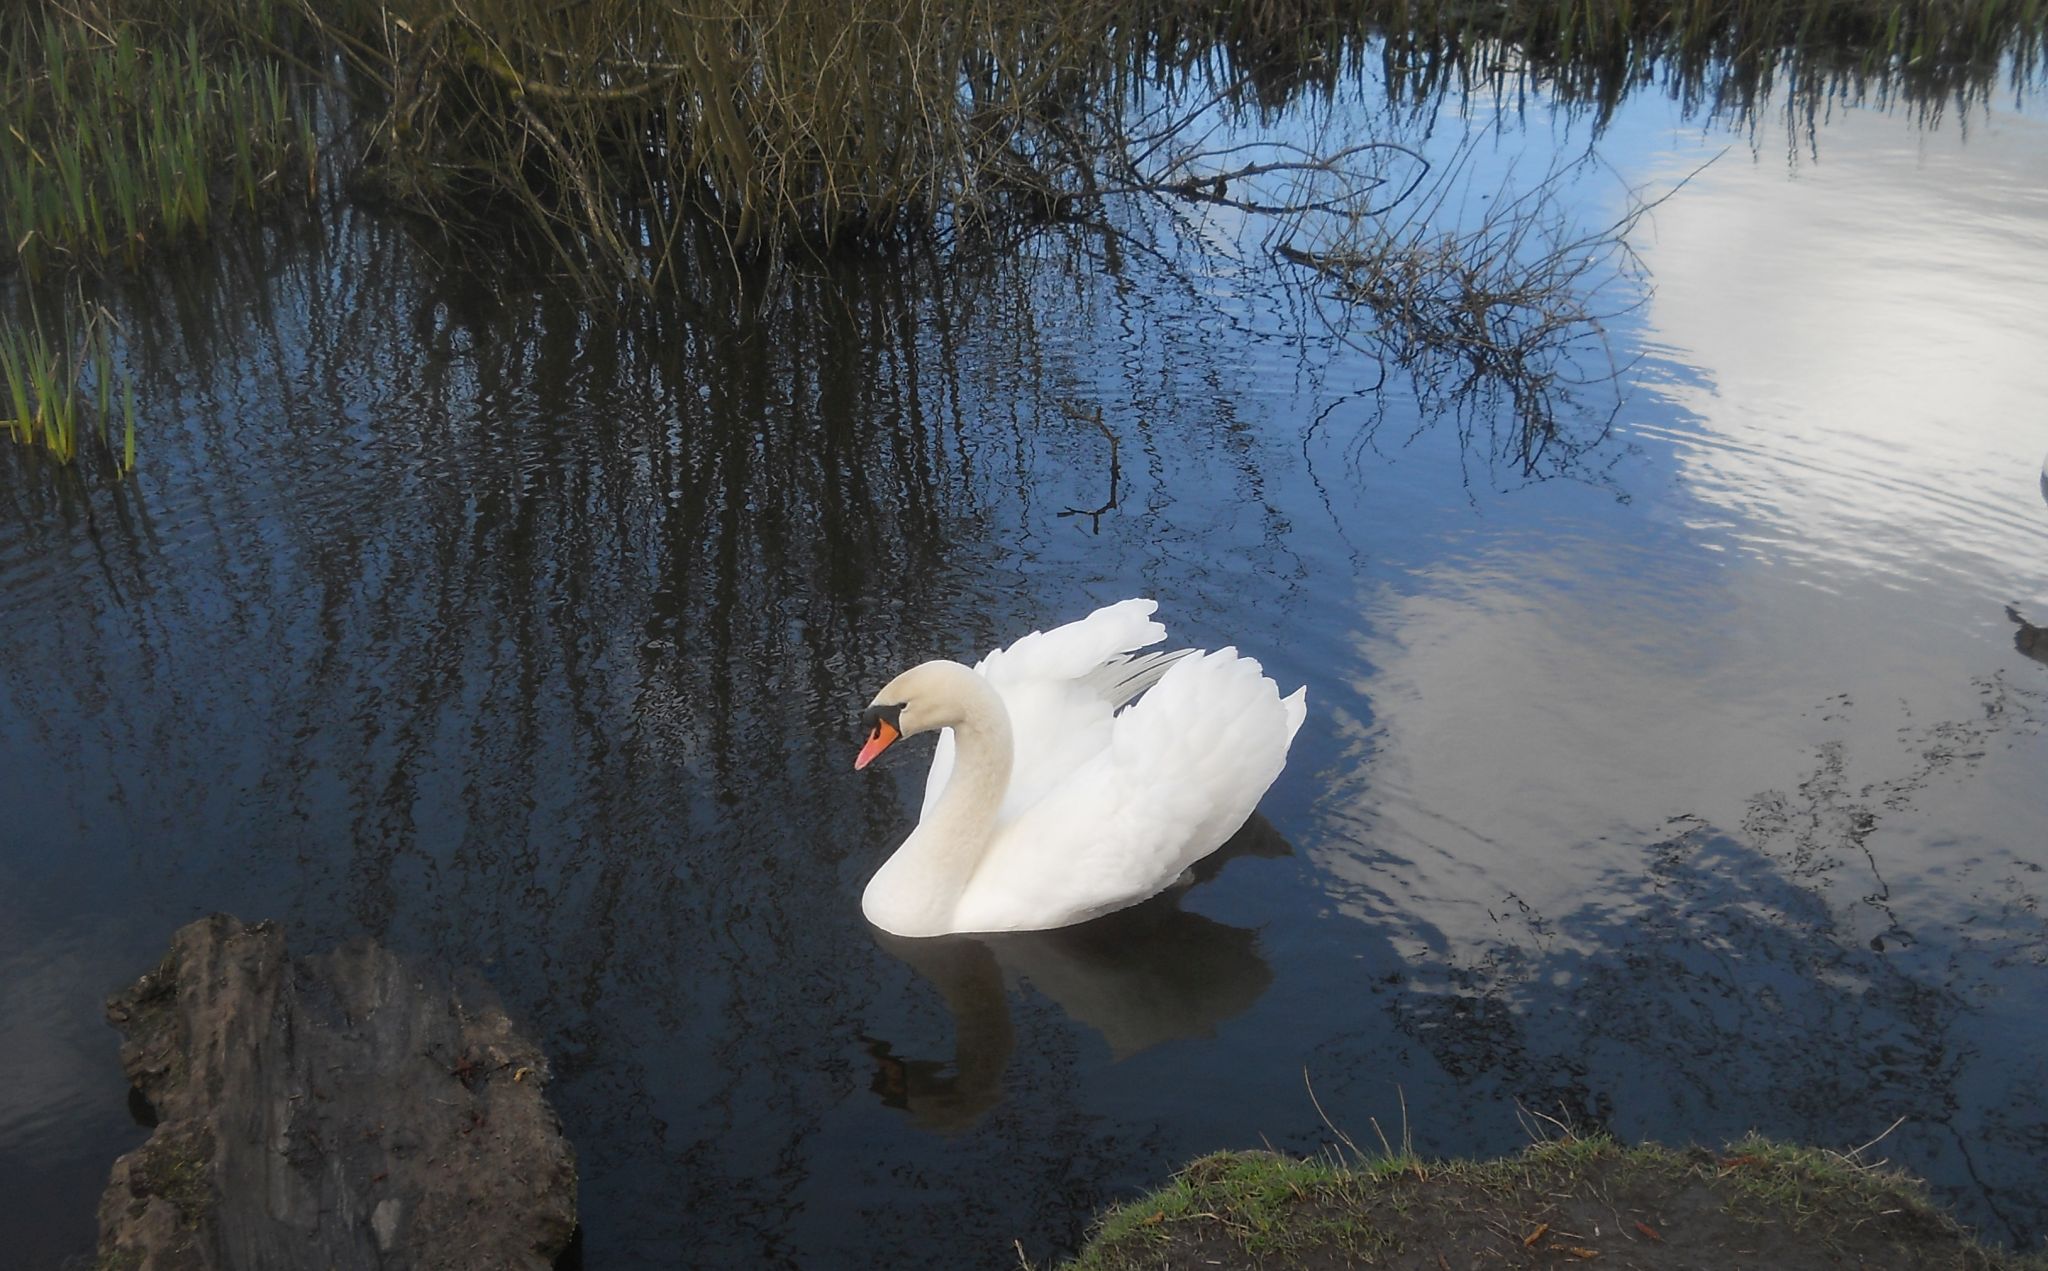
<point x="1121" y="680"/>
<point x="1296" y="704"/>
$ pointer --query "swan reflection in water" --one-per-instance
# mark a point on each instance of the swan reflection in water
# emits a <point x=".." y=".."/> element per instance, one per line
<point x="1144" y="975"/>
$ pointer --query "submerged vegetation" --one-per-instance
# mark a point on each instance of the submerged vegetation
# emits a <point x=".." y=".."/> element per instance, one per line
<point x="1560" y="1202"/>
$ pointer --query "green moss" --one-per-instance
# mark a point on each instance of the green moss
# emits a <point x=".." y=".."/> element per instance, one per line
<point x="1272" y="1204"/>
<point x="178" y="1168"/>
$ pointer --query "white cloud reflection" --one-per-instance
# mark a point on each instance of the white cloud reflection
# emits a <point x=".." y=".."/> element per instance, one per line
<point x="1872" y="331"/>
<point x="1858" y="358"/>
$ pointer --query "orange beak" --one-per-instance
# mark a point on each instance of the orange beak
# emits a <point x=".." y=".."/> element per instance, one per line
<point x="881" y="739"/>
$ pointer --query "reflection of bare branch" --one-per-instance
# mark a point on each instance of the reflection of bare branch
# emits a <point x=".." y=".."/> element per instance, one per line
<point x="1500" y="325"/>
<point x="1180" y="179"/>
<point x="1508" y="311"/>
<point x="1095" y="515"/>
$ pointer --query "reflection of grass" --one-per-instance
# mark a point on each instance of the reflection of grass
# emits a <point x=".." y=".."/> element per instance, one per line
<point x="120" y="135"/>
<point x="1724" y="52"/>
<point x="62" y="391"/>
<point x="607" y="123"/>
<point x="819" y="125"/>
<point x="1559" y="1202"/>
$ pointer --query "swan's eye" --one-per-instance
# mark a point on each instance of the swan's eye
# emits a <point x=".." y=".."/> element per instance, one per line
<point x="875" y="716"/>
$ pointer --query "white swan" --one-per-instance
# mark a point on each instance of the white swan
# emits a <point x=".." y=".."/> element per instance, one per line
<point x="1051" y="801"/>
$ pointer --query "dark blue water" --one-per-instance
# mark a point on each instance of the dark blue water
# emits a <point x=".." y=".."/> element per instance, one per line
<point x="1679" y="779"/>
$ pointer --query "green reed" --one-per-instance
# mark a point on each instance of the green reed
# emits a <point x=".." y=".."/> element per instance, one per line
<point x="119" y="135"/>
<point x="68" y="390"/>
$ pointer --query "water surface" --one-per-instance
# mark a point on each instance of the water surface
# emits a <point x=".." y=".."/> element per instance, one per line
<point x="1685" y="783"/>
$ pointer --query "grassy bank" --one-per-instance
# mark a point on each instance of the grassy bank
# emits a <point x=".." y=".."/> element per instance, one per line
<point x="1755" y="1204"/>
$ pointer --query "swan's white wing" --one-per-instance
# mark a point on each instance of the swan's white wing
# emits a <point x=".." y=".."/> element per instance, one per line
<point x="1060" y="688"/>
<point x="1182" y="771"/>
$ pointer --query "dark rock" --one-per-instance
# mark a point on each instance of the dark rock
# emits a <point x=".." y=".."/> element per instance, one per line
<point x="340" y="1111"/>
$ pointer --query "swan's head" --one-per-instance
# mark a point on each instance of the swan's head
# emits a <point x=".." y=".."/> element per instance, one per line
<point x="934" y="695"/>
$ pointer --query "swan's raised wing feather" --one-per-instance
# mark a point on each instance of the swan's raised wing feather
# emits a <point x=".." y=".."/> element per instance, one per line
<point x="1060" y="688"/>
<point x="1072" y="651"/>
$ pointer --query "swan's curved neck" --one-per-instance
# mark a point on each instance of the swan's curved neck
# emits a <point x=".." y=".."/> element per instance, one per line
<point x="918" y="888"/>
<point x="983" y="753"/>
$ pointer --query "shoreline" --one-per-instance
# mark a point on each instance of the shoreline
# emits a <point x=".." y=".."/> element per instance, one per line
<point x="1561" y="1202"/>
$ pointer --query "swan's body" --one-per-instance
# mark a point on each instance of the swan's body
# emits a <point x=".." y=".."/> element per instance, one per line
<point x="1051" y="801"/>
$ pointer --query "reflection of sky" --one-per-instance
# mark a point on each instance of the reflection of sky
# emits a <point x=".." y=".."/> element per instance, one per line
<point x="1839" y="426"/>
<point x="1874" y="346"/>
<point x="1719" y="805"/>
<point x="1782" y="663"/>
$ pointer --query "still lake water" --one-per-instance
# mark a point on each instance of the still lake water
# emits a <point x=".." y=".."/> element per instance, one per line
<point x="1689" y="784"/>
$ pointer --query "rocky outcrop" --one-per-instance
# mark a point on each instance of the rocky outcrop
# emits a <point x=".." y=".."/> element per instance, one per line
<point x="339" y="1111"/>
